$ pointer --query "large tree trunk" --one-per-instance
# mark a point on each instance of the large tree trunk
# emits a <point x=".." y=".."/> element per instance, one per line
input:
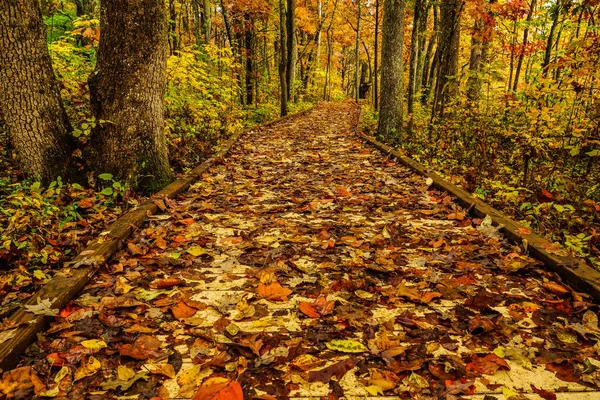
<point x="480" y="43"/>
<point x="376" y="60"/>
<point x="127" y="93"/>
<point x="447" y="84"/>
<point x="390" y="115"/>
<point x="207" y="20"/>
<point x="29" y="95"/>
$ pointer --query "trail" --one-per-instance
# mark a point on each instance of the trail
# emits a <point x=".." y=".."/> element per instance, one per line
<point x="308" y="265"/>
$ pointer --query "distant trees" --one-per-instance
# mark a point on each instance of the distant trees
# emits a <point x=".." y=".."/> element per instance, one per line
<point x="29" y="95"/>
<point x="127" y="93"/>
<point x="390" y="115"/>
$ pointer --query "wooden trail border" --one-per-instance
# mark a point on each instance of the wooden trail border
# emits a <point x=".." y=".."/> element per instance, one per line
<point x="572" y="270"/>
<point x="67" y="283"/>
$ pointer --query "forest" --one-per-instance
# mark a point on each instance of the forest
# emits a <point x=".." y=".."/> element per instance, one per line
<point x="103" y="104"/>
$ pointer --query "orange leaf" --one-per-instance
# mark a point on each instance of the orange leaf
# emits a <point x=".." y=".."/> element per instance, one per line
<point x="182" y="310"/>
<point x="219" y="388"/>
<point x="555" y="288"/>
<point x="166" y="283"/>
<point x="86" y="203"/>
<point x="342" y="191"/>
<point x="525" y="231"/>
<point x="308" y="309"/>
<point x="273" y="291"/>
<point x="428" y="296"/>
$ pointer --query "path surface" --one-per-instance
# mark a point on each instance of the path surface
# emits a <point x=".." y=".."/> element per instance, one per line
<point x="308" y="265"/>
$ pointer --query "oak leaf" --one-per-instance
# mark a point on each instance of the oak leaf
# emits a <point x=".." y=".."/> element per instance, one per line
<point x="274" y="291"/>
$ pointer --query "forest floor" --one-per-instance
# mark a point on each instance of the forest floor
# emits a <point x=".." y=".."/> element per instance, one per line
<point x="308" y="265"/>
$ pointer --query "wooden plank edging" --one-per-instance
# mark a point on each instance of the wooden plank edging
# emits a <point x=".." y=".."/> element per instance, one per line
<point x="67" y="283"/>
<point x="572" y="270"/>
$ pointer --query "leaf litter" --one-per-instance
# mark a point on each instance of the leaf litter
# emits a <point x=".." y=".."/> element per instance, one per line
<point x="307" y="264"/>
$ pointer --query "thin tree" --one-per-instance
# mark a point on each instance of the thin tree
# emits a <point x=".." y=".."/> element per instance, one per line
<point x="390" y="115"/>
<point x="357" y="54"/>
<point x="127" y="94"/>
<point x="30" y="99"/>
<point x="282" y="68"/>
<point x="291" y="48"/>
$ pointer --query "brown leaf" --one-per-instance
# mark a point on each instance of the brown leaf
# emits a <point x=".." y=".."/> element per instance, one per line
<point x="134" y="249"/>
<point x="182" y="310"/>
<point x="487" y="365"/>
<point x="544" y="394"/>
<point x="308" y="309"/>
<point x="556" y="288"/>
<point x="274" y="291"/>
<point x="86" y="203"/>
<point x="166" y="283"/>
<point x="20" y="383"/>
<point x="564" y="371"/>
<point x="338" y="370"/>
<point x="144" y="347"/>
<point x="341" y="191"/>
<point x="323" y="306"/>
<point x="525" y="231"/>
<point x="218" y="388"/>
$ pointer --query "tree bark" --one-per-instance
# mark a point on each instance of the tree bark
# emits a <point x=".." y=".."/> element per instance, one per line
<point x="376" y="60"/>
<point x="390" y="116"/>
<point x="127" y="94"/>
<point x="357" y="55"/>
<point x="446" y="82"/>
<point x="29" y="95"/>
<point x="207" y="21"/>
<point x="414" y="54"/>
<point x="524" y="46"/>
<point x="282" y="60"/>
<point x="291" y="48"/>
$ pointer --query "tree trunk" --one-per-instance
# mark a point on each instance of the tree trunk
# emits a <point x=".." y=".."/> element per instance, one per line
<point x="282" y="60"/>
<point x="429" y="65"/>
<point x="479" y="53"/>
<point x="550" y="40"/>
<point x="197" y="22"/>
<point x="173" y="38"/>
<point x="376" y="59"/>
<point x="249" y="45"/>
<point x="357" y="55"/>
<point x="127" y="94"/>
<point x="447" y="84"/>
<point x="523" y="48"/>
<point x="207" y="23"/>
<point x="414" y="54"/>
<point x="29" y="95"/>
<point x="390" y="116"/>
<point x="291" y="48"/>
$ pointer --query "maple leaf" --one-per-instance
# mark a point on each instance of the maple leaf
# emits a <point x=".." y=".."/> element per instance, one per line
<point x="43" y="307"/>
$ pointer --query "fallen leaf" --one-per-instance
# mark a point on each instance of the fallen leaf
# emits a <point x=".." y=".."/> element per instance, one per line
<point x="94" y="344"/>
<point x="218" y="388"/>
<point x="544" y="394"/>
<point x="90" y="368"/>
<point x="182" y="310"/>
<point x="338" y="370"/>
<point x="144" y="347"/>
<point x="43" y="307"/>
<point x="487" y="365"/>
<point x="342" y="191"/>
<point x="346" y="346"/>
<point x="308" y="309"/>
<point x="20" y="383"/>
<point x="273" y="291"/>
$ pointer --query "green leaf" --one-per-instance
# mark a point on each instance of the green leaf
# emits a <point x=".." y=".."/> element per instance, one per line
<point x="346" y="346"/>
<point x="107" y="191"/>
<point x="105" y="177"/>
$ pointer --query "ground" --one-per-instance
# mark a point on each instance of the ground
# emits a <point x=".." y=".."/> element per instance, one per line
<point x="308" y="265"/>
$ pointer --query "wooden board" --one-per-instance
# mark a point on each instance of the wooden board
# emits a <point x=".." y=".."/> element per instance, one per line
<point x="65" y="285"/>
<point x="572" y="270"/>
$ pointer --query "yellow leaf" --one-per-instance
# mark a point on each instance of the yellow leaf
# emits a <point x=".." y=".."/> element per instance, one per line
<point x="64" y="371"/>
<point x="197" y="251"/>
<point x="124" y="373"/>
<point x="346" y="346"/>
<point x="94" y="344"/>
<point x="566" y="336"/>
<point x="374" y="390"/>
<point x="92" y="366"/>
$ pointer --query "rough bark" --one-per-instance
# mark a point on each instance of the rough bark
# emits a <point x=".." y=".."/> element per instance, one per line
<point x="29" y="95"/>
<point x="447" y="54"/>
<point x="376" y="60"/>
<point x="390" y="115"/>
<point x="480" y="43"/>
<point x="127" y="93"/>
<point x="207" y="20"/>
<point x="429" y="63"/>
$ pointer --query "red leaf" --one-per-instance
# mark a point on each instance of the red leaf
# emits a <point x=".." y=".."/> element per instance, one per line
<point x="308" y="309"/>
<point x="219" y="388"/>
<point x="342" y="191"/>
<point x="544" y="394"/>
<point x="145" y="347"/>
<point x="487" y="365"/>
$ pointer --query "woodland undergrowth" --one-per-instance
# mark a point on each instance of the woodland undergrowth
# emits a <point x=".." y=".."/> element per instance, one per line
<point x="42" y="227"/>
